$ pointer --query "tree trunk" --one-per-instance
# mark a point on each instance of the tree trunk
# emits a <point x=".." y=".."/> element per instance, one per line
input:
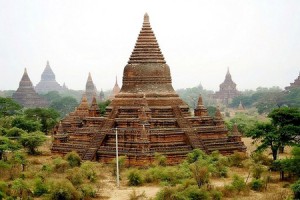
<point x="281" y="149"/>
<point x="274" y="153"/>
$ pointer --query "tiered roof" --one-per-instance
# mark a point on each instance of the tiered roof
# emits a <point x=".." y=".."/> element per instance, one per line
<point x="296" y="84"/>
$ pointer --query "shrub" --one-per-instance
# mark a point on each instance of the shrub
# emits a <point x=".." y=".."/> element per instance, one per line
<point x="89" y="170"/>
<point x="296" y="189"/>
<point x="122" y="160"/>
<point x="73" y="159"/>
<point x="3" y="189"/>
<point x="88" y="191"/>
<point x="256" y="184"/>
<point x="216" y="195"/>
<point x="201" y="171"/>
<point x="257" y="170"/>
<point x="238" y="183"/>
<point x="195" y="155"/>
<point x="63" y="190"/>
<point x="160" y="160"/>
<point x="135" y="196"/>
<point x="259" y="157"/>
<point x="40" y="187"/>
<point x="15" y="132"/>
<point x="75" y="175"/>
<point x="20" y="189"/>
<point x="60" y="165"/>
<point x="236" y="159"/>
<point x="134" y="178"/>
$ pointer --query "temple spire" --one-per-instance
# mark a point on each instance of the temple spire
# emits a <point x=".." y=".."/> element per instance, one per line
<point x="146" y="18"/>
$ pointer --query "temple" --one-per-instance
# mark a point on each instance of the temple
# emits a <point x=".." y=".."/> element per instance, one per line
<point x="101" y="96"/>
<point x="227" y="90"/>
<point x="26" y="95"/>
<point x="48" y="82"/>
<point x="115" y="90"/>
<point x="294" y="85"/>
<point x="147" y="116"/>
<point x="90" y="89"/>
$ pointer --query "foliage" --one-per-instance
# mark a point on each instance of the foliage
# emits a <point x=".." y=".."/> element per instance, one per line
<point x="60" y="165"/>
<point x="201" y="171"/>
<point x="134" y="178"/>
<point x="20" y="189"/>
<point x="75" y="176"/>
<point x="296" y="189"/>
<point x="245" y="122"/>
<point x="40" y="187"/>
<point x="122" y="160"/>
<point x="48" y="117"/>
<point x="25" y="124"/>
<point x="89" y="170"/>
<point x="64" y="105"/>
<point x="135" y="196"/>
<point x="7" y="145"/>
<point x="257" y="169"/>
<point x="31" y="141"/>
<point x="256" y="184"/>
<point x="15" y="132"/>
<point x="88" y="192"/>
<point x="238" y="183"/>
<point x="63" y="190"/>
<point x="6" y="122"/>
<point x="236" y="159"/>
<point x="159" y="159"/>
<point x="73" y="158"/>
<point x="195" y="155"/>
<point x="9" y="107"/>
<point x="211" y="110"/>
<point x="102" y="106"/>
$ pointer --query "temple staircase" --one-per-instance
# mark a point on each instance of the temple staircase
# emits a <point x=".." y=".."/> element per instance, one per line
<point x="98" y="138"/>
<point x="191" y="134"/>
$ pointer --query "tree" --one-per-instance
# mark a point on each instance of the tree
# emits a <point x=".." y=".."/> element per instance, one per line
<point x="7" y="145"/>
<point x="102" y="106"/>
<point x="32" y="140"/>
<point x="9" y="107"/>
<point x="282" y="131"/>
<point x="48" y="117"/>
<point x="26" y="124"/>
<point x="64" y="105"/>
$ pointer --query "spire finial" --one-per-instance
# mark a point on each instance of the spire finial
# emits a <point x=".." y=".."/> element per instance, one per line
<point x="25" y="71"/>
<point x="48" y="62"/>
<point x="228" y="70"/>
<point x="116" y="80"/>
<point x="146" y="18"/>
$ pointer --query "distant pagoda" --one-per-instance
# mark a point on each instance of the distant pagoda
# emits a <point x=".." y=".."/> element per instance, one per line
<point x="90" y="89"/>
<point x="101" y="96"/>
<point x="48" y="82"/>
<point x="147" y="116"/>
<point x="294" y="85"/>
<point x="115" y="90"/>
<point x="26" y="95"/>
<point x="227" y="90"/>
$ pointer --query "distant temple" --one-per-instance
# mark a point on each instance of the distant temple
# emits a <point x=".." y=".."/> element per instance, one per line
<point x="101" y="96"/>
<point x="296" y="84"/>
<point x="115" y="90"/>
<point x="48" y="82"/>
<point x="90" y="89"/>
<point x="26" y="95"/>
<point x="227" y="90"/>
<point x="147" y="116"/>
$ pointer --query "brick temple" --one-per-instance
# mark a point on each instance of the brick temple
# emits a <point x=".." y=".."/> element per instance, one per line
<point x="90" y="89"/>
<point x="116" y="89"/>
<point x="227" y="90"/>
<point x="148" y="116"/>
<point x="295" y="84"/>
<point x="26" y="95"/>
<point x="48" y="82"/>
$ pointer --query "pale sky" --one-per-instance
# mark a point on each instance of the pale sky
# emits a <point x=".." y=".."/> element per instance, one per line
<point x="259" y="40"/>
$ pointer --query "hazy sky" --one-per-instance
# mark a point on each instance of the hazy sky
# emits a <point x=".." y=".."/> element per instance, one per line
<point x="259" y="40"/>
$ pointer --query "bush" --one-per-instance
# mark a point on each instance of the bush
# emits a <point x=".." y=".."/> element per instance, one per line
<point x="259" y="157"/>
<point x="296" y="189"/>
<point x="256" y="184"/>
<point x="216" y="195"/>
<point x="63" y="190"/>
<point x="75" y="175"/>
<point x="15" y="132"/>
<point x="88" y="192"/>
<point x="134" y="178"/>
<point x="236" y="159"/>
<point x="60" y="165"/>
<point x="160" y="160"/>
<point x="73" y="159"/>
<point x="238" y="183"/>
<point x="40" y="187"/>
<point x="195" y="155"/>
<point x="89" y="170"/>
<point x="257" y="170"/>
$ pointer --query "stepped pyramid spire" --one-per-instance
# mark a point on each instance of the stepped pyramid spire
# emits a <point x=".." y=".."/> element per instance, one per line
<point x="90" y="89"/>
<point x="146" y="49"/>
<point x="94" y="108"/>
<point x="48" y="82"/>
<point x="200" y="110"/>
<point x="295" y="84"/>
<point x="26" y="95"/>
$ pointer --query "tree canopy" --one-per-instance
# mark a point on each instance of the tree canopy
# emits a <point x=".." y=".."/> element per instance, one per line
<point x="9" y="107"/>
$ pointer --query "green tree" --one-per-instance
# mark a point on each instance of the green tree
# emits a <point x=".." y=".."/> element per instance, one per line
<point x="7" y="145"/>
<point x="32" y="141"/>
<point x="103" y="105"/>
<point x="48" y="117"/>
<point x="64" y="105"/>
<point x="9" y="107"/>
<point x="26" y="124"/>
